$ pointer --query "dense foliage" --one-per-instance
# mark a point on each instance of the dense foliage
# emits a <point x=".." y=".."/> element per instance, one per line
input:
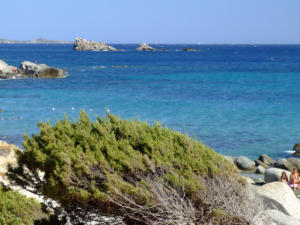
<point x="16" y="209"/>
<point x="86" y="163"/>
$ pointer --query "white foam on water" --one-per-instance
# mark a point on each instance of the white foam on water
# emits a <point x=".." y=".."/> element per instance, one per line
<point x="290" y="151"/>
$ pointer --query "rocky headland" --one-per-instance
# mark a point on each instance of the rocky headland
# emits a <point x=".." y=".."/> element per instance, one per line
<point x="35" y="41"/>
<point x="29" y="69"/>
<point x="84" y="45"/>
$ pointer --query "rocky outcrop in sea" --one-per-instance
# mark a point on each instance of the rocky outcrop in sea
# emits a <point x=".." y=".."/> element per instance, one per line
<point x="29" y="69"/>
<point x="84" y="45"/>
<point x="191" y="50"/>
<point x="146" y="47"/>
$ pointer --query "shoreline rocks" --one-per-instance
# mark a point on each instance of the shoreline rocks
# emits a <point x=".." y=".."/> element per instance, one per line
<point x="243" y="163"/>
<point x="29" y="69"/>
<point x="84" y="45"/>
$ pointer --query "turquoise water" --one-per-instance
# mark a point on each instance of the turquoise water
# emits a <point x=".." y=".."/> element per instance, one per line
<point x="238" y="99"/>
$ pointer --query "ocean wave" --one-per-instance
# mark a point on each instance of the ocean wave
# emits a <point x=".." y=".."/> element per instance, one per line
<point x="289" y="152"/>
<point x="111" y="66"/>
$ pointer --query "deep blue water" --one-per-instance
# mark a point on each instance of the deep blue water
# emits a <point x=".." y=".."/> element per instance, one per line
<point x="238" y="99"/>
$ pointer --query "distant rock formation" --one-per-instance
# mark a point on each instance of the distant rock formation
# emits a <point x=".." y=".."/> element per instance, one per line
<point x="36" y="41"/>
<point x="29" y="69"/>
<point x="145" y="47"/>
<point x="191" y="50"/>
<point x="84" y="45"/>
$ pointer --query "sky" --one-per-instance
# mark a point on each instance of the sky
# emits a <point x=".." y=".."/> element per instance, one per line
<point x="155" y="21"/>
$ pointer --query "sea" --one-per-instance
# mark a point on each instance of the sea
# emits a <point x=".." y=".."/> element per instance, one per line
<point x="237" y="99"/>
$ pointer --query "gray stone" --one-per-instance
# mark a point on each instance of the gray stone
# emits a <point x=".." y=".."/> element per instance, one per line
<point x="280" y="196"/>
<point x="260" y="170"/>
<point x="284" y="164"/>
<point x="3" y="67"/>
<point x="243" y="163"/>
<point x="30" y="69"/>
<point x="280" y="218"/>
<point x="296" y="148"/>
<point x="295" y="162"/>
<point x="266" y="159"/>
<point x="145" y="47"/>
<point x="274" y="174"/>
<point x="260" y="163"/>
<point x="84" y="45"/>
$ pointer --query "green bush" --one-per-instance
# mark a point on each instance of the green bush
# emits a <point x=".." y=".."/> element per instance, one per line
<point x="16" y="209"/>
<point x="85" y="162"/>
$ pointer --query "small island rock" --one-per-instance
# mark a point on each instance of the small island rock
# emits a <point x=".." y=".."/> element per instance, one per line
<point x="243" y="163"/>
<point x="191" y="50"/>
<point x="30" y="69"/>
<point x="84" y="45"/>
<point x="145" y="47"/>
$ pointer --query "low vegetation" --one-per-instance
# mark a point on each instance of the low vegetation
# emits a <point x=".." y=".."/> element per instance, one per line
<point x="16" y="209"/>
<point x="125" y="168"/>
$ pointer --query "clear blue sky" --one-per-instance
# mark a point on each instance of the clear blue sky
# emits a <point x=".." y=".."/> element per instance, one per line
<point x="155" y="21"/>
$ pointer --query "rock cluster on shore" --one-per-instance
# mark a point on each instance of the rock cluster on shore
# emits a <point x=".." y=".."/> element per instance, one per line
<point x="29" y="69"/>
<point x="84" y="45"/>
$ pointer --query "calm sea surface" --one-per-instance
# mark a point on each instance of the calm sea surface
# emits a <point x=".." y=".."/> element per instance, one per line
<point x="238" y="99"/>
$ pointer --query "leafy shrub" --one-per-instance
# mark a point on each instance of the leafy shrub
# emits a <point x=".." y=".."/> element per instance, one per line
<point x="86" y="163"/>
<point x="16" y="209"/>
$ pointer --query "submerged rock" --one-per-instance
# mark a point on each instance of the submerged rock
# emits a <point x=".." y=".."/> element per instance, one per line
<point x="84" y="45"/>
<point x="243" y="163"/>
